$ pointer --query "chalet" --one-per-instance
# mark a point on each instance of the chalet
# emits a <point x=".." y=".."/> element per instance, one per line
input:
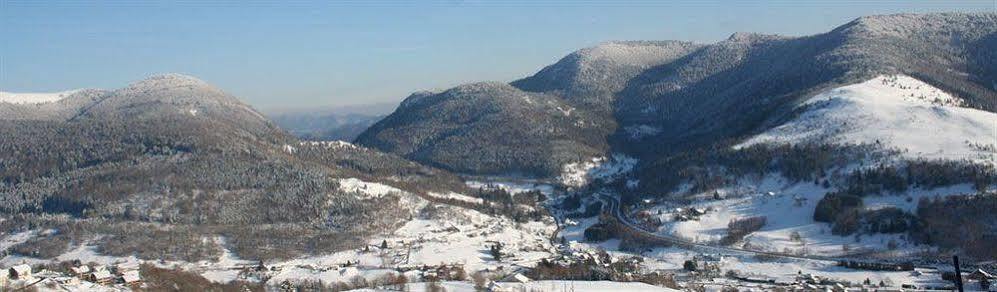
<point x="132" y="279"/>
<point x="101" y="276"/>
<point x="20" y="272"/>
<point x="80" y="272"/>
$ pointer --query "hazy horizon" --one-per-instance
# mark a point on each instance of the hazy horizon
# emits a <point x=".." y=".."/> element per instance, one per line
<point x="316" y="54"/>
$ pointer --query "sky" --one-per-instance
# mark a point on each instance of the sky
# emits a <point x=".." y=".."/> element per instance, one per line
<point x="314" y="54"/>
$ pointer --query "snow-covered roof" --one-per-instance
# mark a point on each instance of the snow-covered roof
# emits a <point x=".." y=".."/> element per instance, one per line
<point x="80" y="269"/>
<point x="131" y="277"/>
<point x="102" y="274"/>
<point x="22" y="269"/>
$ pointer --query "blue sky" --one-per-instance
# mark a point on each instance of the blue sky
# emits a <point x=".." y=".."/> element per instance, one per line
<point x="309" y="54"/>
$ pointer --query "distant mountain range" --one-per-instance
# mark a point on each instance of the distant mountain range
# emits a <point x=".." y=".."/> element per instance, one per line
<point x="343" y="123"/>
<point x="653" y="100"/>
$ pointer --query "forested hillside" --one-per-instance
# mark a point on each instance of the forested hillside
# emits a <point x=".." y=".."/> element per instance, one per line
<point x="172" y="156"/>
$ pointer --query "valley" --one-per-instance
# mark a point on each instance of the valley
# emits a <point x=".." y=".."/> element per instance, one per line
<point x="862" y="158"/>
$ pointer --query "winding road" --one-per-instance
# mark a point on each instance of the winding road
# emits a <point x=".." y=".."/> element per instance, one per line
<point x="612" y="207"/>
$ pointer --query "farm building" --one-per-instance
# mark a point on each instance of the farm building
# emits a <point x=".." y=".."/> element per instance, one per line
<point x="102" y="276"/>
<point x="20" y="272"/>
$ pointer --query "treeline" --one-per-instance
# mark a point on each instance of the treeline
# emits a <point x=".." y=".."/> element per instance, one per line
<point x="967" y="222"/>
<point x="921" y="173"/>
<point x="194" y="181"/>
<point x="737" y="229"/>
<point x="717" y="166"/>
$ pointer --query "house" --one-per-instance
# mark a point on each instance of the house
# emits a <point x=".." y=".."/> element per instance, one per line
<point x="20" y="272"/>
<point x="132" y="278"/>
<point x="520" y="278"/>
<point x="980" y="274"/>
<point x="102" y="276"/>
<point x="80" y="272"/>
<point x="495" y="287"/>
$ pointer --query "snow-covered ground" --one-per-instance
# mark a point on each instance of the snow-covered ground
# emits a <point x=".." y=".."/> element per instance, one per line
<point x="598" y="168"/>
<point x="34" y="97"/>
<point x="547" y="286"/>
<point x="457" y="196"/>
<point x="897" y="112"/>
<point x="513" y="187"/>
<point x="442" y="234"/>
<point x="330" y="144"/>
<point x="367" y="189"/>
<point x="789" y="209"/>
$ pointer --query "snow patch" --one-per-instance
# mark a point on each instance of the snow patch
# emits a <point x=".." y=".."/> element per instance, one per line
<point x="367" y="189"/>
<point x="896" y="112"/>
<point x="290" y="149"/>
<point x="330" y="144"/>
<point x="35" y="97"/>
<point x="458" y="197"/>
<point x="598" y="168"/>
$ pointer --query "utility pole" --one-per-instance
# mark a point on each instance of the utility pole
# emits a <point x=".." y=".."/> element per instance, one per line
<point x="958" y="273"/>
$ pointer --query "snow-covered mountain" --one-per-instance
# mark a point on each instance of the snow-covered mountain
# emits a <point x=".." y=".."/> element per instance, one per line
<point x="177" y="152"/>
<point x="34" y="97"/>
<point x="893" y="112"/>
<point x="888" y="105"/>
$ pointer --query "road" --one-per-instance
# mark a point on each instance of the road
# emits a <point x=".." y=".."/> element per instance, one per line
<point x="612" y="206"/>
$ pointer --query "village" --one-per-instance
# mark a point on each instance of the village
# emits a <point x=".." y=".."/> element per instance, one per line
<point x="73" y="274"/>
<point x="701" y="273"/>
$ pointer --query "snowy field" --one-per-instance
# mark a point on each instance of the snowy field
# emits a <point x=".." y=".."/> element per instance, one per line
<point x="599" y="168"/>
<point x="789" y="209"/>
<point x="896" y="112"/>
<point x="443" y="234"/>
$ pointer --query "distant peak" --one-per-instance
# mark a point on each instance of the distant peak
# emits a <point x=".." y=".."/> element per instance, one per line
<point x="169" y="80"/>
<point x="908" y="23"/>
<point x="746" y="37"/>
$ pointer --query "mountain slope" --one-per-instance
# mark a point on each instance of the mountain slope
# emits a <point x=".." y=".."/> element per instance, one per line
<point x="895" y="112"/>
<point x="533" y="126"/>
<point x="589" y="78"/>
<point x="734" y="87"/>
<point x="489" y="128"/>
<point x="172" y="156"/>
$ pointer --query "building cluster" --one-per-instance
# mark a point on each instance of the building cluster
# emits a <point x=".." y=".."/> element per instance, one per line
<point x="23" y="275"/>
